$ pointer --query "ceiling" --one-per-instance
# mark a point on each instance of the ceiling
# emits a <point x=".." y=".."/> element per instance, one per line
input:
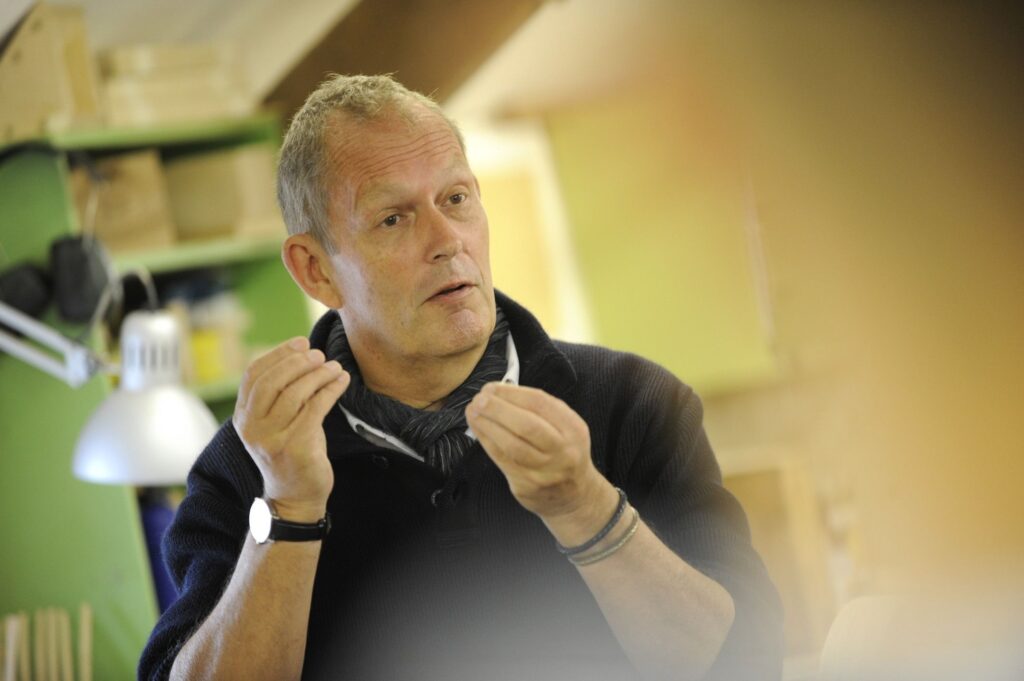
<point x="569" y="49"/>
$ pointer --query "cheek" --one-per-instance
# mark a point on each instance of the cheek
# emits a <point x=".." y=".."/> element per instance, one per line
<point x="355" y="282"/>
<point x="385" y="285"/>
<point x="482" y="247"/>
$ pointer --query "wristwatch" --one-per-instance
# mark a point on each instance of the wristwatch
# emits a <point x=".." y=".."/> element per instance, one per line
<point x="265" y="525"/>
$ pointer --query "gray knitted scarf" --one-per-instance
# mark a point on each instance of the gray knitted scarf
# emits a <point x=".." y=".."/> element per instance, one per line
<point x="439" y="436"/>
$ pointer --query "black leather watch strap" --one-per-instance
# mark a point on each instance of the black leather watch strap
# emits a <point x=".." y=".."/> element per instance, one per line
<point x="265" y="525"/>
<point x="285" y="530"/>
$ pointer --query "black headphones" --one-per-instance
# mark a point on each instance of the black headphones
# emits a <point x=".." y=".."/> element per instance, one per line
<point x="80" y="277"/>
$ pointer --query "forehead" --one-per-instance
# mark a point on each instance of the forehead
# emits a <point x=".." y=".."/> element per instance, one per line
<point x="398" y="148"/>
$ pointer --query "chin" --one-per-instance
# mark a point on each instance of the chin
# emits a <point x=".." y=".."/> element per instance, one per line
<point x="465" y="331"/>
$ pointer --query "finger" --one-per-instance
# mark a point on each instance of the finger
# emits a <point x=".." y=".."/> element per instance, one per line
<point x="528" y="425"/>
<point x="503" y="446"/>
<point x="267" y="389"/>
<point x="291" y="399"/>
<point x="548" y="407"/>
<point x="315" y="410"/>
<point x="259" y="365"/>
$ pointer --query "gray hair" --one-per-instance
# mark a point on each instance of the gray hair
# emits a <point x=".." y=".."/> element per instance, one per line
<point x="302" y="170"/>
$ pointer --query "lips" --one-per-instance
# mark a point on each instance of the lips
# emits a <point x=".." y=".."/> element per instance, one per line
<point x="452" y="288"/>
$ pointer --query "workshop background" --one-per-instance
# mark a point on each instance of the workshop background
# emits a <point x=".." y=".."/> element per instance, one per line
<point x="811" y="212"/>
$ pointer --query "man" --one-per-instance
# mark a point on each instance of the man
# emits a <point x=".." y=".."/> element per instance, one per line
<point x="500" y="505"/>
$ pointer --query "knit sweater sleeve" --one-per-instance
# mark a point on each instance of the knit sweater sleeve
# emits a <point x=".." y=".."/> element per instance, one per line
<point x="202" y="545"/>
<point x="676" y="484"/>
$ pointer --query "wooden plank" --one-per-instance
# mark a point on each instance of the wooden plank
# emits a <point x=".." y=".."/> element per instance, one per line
<point x="48" y="63"/>
<point x="431" y="46"/>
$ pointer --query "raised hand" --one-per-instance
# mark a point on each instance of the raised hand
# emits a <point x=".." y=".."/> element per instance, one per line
<point x="543" y="448"/>
<point x="283" y="399"/>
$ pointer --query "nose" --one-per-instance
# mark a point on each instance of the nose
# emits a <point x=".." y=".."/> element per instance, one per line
<point x="445" y="241"/>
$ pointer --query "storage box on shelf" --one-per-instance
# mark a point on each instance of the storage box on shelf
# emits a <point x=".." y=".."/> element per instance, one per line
<point x="123" y="200"/>
<point x="152" y="84"/>
<point x="100" y="556"/>
<point x="230" y="191"/>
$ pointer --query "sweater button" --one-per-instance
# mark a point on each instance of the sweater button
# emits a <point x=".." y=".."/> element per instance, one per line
<point x="380" y="461"/>
<point x="458" y="492"/>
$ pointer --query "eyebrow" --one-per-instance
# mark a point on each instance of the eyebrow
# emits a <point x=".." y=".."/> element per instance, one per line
<point x="383" y="190"/>
<point x="379" y="189"/>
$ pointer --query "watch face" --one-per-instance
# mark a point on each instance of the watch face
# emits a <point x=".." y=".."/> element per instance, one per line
<point x="260" y="519"/>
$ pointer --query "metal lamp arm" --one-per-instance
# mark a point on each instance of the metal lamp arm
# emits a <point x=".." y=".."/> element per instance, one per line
<point x="79" y="362"/>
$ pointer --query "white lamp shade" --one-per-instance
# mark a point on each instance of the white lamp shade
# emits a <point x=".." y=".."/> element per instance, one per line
<point x="148" y="437"/>
<point x="149" y="431"/>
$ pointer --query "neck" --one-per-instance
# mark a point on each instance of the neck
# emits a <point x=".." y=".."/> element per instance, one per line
<point x="420" y="382"/>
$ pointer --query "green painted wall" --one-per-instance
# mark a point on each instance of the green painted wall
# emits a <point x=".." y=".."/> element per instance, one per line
<point x="62" y="541"/>
<point x="655" y="197"/>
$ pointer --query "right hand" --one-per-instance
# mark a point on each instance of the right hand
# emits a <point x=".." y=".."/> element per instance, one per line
<point x="282" y="402"/>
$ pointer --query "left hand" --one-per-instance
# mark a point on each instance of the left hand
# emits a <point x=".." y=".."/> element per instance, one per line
<point x="541" y="446"/>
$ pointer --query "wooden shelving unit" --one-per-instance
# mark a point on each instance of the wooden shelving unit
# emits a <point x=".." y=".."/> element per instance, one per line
<point x="67" y="541"/>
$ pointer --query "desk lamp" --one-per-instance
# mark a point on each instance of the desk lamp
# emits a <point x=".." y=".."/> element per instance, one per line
<point x="149" y="431"/>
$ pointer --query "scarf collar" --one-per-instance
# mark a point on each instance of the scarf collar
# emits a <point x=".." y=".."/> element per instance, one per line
<point x="440" y="437"/>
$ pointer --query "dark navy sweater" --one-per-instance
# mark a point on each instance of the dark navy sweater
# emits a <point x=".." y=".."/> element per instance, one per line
<point x="463" y="583"/>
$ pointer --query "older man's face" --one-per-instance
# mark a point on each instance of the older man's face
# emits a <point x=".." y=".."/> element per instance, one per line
<point x="412" y="263"/>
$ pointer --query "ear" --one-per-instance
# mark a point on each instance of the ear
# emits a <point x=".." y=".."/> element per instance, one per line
<point x="310" y="267"/>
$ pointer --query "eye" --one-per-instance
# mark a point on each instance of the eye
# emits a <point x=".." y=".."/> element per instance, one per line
<point x="458" y="198"/>
<point x="391" y="220"/>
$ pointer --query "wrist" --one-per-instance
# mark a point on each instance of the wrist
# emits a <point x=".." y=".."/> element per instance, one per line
<point x="593" y="511"/>
<point x="298" y="512"/>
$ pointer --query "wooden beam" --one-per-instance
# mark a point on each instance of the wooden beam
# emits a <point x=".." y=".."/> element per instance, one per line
<point x="431" y="46"/>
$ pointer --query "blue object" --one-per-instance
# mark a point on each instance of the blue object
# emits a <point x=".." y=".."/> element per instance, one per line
<point x="157" y="514"/>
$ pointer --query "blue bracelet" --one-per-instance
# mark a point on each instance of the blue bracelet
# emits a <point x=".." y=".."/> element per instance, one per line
<point x="592" y="542"/>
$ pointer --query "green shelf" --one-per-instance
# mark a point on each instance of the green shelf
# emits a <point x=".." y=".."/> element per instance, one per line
<point x="256" y="128"/>
<point x="192" y="254"/>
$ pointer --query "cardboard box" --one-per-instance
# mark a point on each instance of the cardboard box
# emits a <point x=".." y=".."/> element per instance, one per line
<point x="225" y="192"/>
<point x="131" y="209"/>
<point x="163" y="84"/>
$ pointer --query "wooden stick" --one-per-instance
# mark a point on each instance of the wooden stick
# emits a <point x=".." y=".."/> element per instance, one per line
<point x="51" y="645"/>
<point x="39" y="647"/>
<point x="85" y="642"/>
<point x="10" y="647"/>
<point x="24" y="670"/>
<point x="67" y="673"/>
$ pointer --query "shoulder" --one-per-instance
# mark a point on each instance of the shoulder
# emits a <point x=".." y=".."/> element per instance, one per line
<point x="630" y="398"/>
<point x="623" y="375"/>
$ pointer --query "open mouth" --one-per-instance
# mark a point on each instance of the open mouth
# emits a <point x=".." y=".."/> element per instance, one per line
<point x="453" y="290"/>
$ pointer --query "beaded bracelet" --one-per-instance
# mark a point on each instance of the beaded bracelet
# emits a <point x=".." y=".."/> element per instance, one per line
<point x="601" y="555"/>
<point x="592" y="542"/>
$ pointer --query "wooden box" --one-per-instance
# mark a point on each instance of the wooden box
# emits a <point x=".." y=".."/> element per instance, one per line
<point x="161" y="84"/>
<point x="131" y="209"/>
<point x="225" y="192"/>
<point x="47" y="76"/>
